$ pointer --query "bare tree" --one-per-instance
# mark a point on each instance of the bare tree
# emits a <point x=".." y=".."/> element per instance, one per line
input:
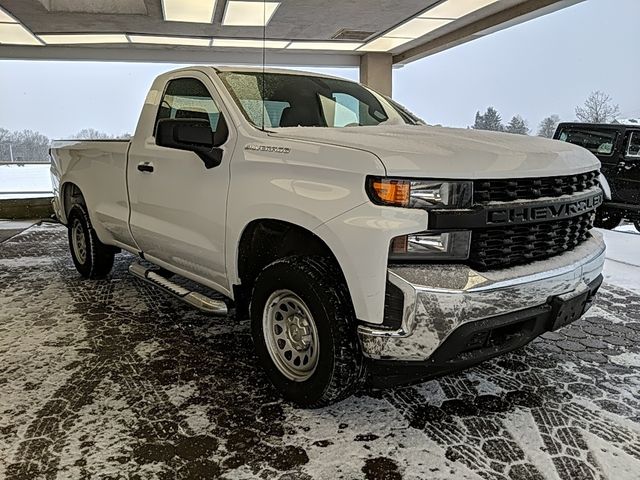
<point x="547" y="127"/>
<point x="25" y="145"/>
<point x="91" y="134"/>
<point x="598" y="108"/>
<point x="5" y="135"/>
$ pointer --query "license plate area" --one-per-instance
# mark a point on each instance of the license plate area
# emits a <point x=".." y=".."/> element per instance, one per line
<point x="568" y="308"/>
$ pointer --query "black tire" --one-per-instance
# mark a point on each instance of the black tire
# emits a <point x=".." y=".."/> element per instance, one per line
<point x="97" y="260"/>
<point x="636" y="224"/>
<point x="340" y="366"/>
<point x="607" y="219"/>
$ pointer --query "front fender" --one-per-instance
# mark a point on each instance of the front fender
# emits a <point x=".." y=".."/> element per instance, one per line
<point x="267" y="211"/>
<point x="359" y="239"/>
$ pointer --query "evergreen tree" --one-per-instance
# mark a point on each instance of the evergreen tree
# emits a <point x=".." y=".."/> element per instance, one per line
<point x="548" y="126"/>
<point x="491" y="120"/>
<point x="518" y="125"/>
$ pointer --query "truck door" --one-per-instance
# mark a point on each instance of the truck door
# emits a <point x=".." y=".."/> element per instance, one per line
<point x="178" y="205"/>
<point x="628" y="171"/>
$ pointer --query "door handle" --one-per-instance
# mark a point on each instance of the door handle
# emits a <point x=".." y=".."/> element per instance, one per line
<point x="145" y="167"/>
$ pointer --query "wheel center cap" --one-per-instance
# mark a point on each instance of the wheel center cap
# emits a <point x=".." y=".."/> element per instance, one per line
<point x="298" y="333"/>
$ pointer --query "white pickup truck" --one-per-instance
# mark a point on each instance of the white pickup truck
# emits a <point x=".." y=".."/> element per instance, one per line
<point x="365" y="245"/>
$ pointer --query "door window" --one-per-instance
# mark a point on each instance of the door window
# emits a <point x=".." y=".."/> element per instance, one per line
<point x="188" y="98"/>
<point x="599" y="141"/>
<point x="633" y="149"/>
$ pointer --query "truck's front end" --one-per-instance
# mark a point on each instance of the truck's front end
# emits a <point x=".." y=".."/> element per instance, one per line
<point x="499" y="263"/>
<point x="452" y="246"/>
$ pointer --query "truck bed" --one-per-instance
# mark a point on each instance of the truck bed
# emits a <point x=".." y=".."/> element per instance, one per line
<point x="100" y="167"/>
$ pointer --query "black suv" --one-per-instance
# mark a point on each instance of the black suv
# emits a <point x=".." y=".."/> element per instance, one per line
<point x="617" y="146"/>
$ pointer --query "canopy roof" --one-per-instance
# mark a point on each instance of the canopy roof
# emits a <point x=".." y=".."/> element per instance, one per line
<point x="297" y="32"/>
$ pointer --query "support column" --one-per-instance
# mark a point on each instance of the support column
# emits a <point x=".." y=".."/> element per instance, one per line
<point x="376" y="72"/>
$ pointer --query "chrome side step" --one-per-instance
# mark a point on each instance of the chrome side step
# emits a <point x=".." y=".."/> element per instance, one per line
<point x="195" y="299"/>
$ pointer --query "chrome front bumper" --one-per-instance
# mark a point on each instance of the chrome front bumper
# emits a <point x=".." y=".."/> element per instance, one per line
<point x="438" y="299"/>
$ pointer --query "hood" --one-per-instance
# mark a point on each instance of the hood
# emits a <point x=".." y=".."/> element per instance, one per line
<point x="437" y="152"/>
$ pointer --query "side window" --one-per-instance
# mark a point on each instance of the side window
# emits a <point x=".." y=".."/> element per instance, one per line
<point x="188" y="98"/>
<point x="633" y="149"/>
<point x="343" y="109"/>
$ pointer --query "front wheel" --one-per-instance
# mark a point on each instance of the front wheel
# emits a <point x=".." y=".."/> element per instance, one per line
<point x="92" y="258"/>
<point x="636" y="224"/>
<point x="304" y="331"/>
<point x="607" y="219"/>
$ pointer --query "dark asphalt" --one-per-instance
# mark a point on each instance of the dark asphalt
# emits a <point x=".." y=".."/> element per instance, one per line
<point x="113" y="379"/>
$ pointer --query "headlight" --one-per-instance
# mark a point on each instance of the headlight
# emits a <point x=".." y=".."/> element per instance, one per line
<point x="425" y="194"/>
<point x="430" y="246"/>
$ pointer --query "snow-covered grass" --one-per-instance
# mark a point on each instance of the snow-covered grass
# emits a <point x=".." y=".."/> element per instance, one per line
<point x="28" y="178"/>
<point x="622" y="266"/>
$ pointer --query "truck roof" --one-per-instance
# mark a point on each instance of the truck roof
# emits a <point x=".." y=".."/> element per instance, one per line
<point x="615" y="125"/>
<point x="630" y="122"/>
<point x="258" y="69"/>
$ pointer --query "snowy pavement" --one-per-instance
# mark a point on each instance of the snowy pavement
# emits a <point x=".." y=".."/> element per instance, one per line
<point x="113" y="379"/>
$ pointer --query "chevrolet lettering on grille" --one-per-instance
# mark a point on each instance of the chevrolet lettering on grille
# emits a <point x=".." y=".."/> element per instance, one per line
<point x="538" y="213"/>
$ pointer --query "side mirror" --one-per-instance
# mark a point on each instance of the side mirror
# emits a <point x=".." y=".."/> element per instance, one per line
<point x="195" y="136"/>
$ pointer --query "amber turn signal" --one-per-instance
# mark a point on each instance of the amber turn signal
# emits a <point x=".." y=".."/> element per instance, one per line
<point x="393" y="192"/>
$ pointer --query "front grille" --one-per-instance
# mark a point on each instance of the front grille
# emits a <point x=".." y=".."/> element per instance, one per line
<point x="485" y="191"/>
<point x="501" y="247"/>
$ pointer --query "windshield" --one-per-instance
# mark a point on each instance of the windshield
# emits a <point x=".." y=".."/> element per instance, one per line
<point x="598" y="141"/>
<point x="285" y="100"/>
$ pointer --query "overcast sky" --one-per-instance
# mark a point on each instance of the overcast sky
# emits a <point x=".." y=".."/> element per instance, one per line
<point x="545" y="66"/>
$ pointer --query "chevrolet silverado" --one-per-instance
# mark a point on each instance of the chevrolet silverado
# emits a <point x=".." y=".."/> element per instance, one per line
<point x="365" y="246"/>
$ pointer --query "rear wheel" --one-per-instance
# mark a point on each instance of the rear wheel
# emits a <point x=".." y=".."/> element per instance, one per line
<point x="607" y="219"/>
<point x="92" y="258"/>
<point x="636" y="224"/>
<point x="304" y="331"/>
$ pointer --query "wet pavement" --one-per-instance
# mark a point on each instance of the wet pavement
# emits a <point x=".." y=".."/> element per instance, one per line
<point x="114" y="379"/>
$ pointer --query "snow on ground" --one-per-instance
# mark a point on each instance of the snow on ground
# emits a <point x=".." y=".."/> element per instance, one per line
<point x="114" y="379"/>
<point x="25" y="178"/>
<point x="627" y="228"/>
<point x="622" y="267"/>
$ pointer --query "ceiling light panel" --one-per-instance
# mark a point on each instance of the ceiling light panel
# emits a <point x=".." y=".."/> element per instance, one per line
<point x="384" y="44"/>
<point x="248" y="43"/>
<point x="417" y="28"/>
<point x="324" y="46"/>
<point x="454" y="9"/>
<point x="248" y="14"/>
<point x="194" y="11"/>
<point x="79" y="39"/>
<point x="6" y="18"/>
<point x="158" y="40"/>
<point x="16" y="34"/>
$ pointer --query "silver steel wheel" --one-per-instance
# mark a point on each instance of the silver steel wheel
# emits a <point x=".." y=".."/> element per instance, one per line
<point x="79" y="242"/>
<point x="291" y="335"/>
